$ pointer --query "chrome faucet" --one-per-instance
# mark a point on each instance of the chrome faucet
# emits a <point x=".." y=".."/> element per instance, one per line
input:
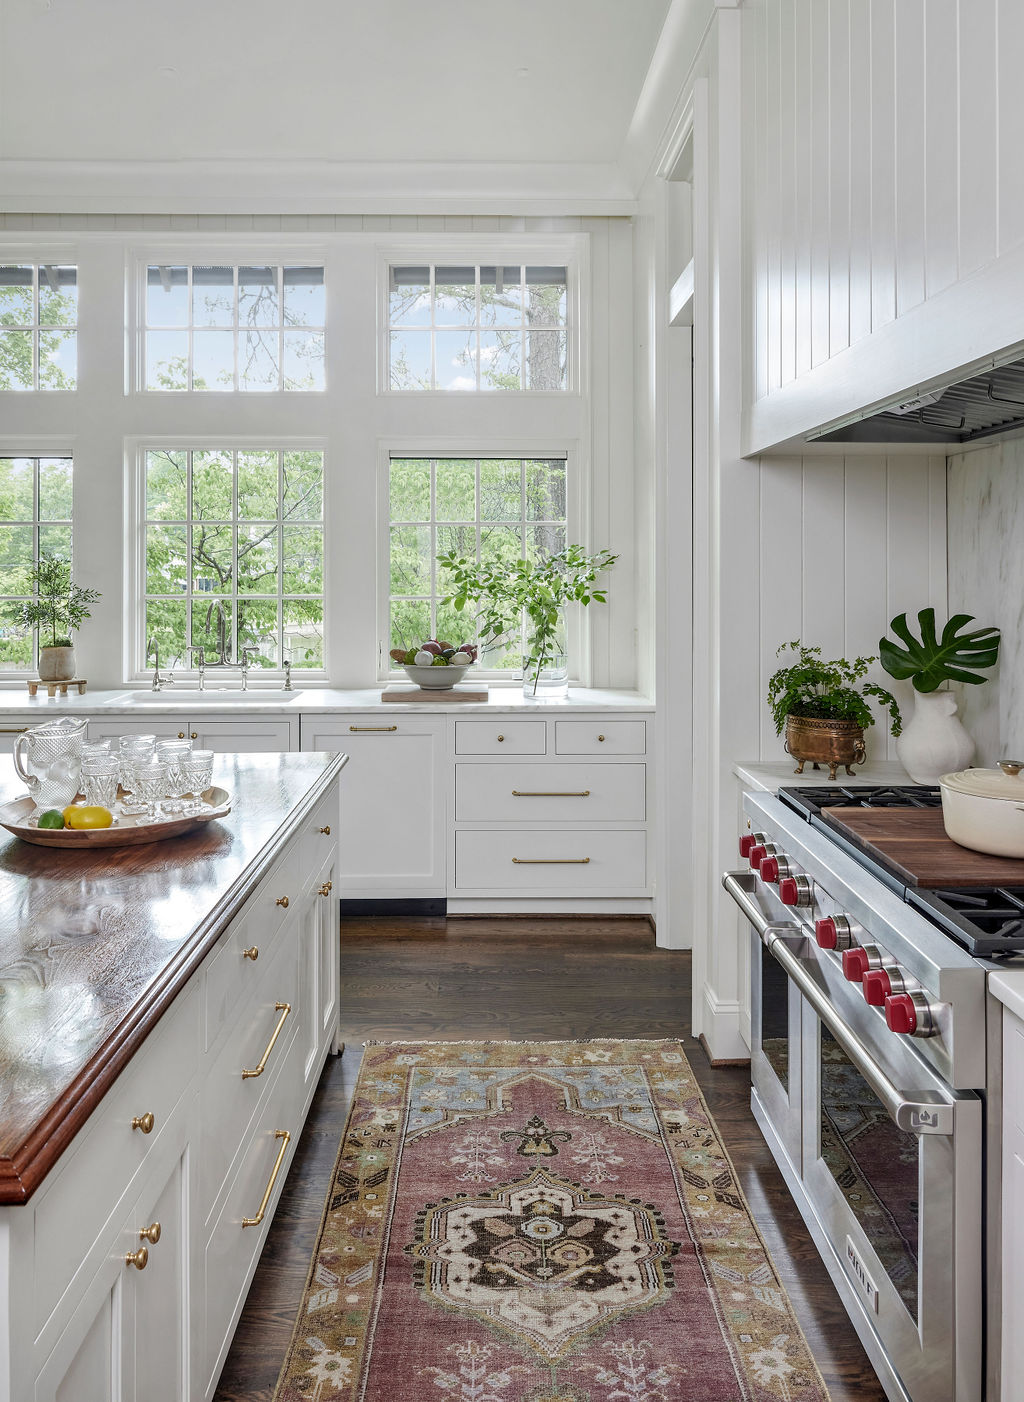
<point x="158" y="680"/>
<point x="222" y="631"/>
<point x="246" y="653"/>
<point x="201" y="666"/>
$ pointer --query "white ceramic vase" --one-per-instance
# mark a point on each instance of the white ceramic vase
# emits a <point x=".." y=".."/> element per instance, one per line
<point x="56" y="664"/>
<point x="934" y="742"/>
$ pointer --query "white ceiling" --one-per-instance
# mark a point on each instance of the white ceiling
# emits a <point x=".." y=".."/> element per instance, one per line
<point x="375" y="81"/>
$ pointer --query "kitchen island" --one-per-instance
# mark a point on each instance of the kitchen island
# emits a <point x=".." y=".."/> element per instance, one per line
<point x="165" y="1011"/>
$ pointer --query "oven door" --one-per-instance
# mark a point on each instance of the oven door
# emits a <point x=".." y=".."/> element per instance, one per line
<point x="892" y="1172"/>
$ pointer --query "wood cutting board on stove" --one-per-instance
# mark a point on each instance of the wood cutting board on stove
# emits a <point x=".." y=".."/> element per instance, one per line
<point x="912" y="842"/>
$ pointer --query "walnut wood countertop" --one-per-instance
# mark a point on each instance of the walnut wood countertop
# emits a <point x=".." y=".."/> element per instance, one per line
<point x="94" y="946"/>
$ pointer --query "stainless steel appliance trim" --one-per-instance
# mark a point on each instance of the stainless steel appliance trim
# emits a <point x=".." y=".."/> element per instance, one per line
<point x="930" y="1113"/>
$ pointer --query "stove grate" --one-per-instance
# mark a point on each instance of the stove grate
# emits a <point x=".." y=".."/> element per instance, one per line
<point x="988" y="921"/>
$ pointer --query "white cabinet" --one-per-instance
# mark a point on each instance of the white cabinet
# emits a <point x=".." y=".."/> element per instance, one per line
<point x="246" y="735"/>
<point x="1012" y="1197"/>
<point x="394" y="809"/>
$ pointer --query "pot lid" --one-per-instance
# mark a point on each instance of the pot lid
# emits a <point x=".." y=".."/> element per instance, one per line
<point x="1005" y="782"/>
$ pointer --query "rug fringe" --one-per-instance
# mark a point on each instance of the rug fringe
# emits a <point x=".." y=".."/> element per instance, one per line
<point x="511" y="1041"/>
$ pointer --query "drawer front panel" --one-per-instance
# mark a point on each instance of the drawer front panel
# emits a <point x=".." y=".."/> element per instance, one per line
<point x="487" y="737"/>
<point x="79" y="1196"/>
<point x="229" y="1100"/>
<point x="597" y="737"/>
<point x="233" y="978"/>
<point x="524" y="863"/>
<point x="575" y="793"/>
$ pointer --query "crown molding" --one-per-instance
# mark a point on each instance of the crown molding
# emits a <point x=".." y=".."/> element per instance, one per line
<point x="313" y="187"/>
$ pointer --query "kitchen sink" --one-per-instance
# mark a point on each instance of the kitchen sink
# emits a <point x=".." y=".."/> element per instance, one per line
<point x="212" y="696"/>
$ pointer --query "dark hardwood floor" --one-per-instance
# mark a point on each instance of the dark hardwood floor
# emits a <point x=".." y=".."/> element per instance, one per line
<point x="522" y="979"/>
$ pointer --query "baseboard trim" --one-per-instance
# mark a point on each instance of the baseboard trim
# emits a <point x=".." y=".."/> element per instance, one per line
<point x="410" y="905"/>
<point x="722" y="1060"/>
<point x="547" y="915"/>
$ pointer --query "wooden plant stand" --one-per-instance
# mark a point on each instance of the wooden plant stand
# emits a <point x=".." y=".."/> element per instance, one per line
<point x="53" y="687"/>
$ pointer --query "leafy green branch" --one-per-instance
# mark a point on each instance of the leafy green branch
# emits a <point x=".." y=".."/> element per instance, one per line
<point x="820" y="690"/>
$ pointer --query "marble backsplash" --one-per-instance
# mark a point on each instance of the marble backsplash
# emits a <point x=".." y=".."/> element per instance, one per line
<point x="985" y="541"/>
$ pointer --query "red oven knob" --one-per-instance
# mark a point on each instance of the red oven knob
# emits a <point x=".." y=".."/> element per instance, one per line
<point x="876" y="987"/>
<point x="757" y="855"/>
<point x="833" y="932"/>
<point x="855" y="963"/>
<point x="746" y="842"/>
<point x="901" y="1014"/>
<point x="795" y="890"/>
<point x="774" y="868"/>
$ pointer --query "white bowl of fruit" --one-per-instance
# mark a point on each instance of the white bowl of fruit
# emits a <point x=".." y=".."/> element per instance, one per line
<point x="435" y="666"/>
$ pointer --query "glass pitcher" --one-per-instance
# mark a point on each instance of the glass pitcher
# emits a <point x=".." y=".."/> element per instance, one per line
<point x="49" y="759"/>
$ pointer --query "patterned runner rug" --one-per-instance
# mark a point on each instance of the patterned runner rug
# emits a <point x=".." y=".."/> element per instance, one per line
<point x="539" y="1222"/>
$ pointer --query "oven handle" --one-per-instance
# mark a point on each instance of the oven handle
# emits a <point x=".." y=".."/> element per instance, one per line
<point x="930" y="1113"/>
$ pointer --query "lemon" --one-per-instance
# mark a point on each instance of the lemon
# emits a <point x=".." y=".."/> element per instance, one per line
<point x="88" y="816"/>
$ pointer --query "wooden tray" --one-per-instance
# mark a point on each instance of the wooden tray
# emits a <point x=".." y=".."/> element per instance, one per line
<point x="433" y="695"/>
<point x="912" y="842"/>
<point x="126" y="830"/>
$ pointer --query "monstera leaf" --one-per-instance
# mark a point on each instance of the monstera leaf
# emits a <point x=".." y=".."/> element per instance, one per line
<point x="931" y="660"/>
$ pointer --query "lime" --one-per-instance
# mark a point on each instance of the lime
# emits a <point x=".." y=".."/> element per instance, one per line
<point x="52" y="818"/>
<point x="90" y="816"/>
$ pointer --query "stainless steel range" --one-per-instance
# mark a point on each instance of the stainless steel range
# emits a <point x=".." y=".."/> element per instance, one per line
<point x="874" y="1068"/>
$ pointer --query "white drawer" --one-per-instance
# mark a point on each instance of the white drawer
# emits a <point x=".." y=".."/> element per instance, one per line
<point x="525" y="862"/>
<point x="598" y="737"/>
<point x="78" y="1197"/>
<point x="491" y="737"/>
<point x="574" y="793"/>
<point x="231" y="1249"/>
<point x="229" y="1100"/>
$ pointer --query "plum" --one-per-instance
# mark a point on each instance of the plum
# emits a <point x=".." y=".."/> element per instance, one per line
<point x="432" y="647"/>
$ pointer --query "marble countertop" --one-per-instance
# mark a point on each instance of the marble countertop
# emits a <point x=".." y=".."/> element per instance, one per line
<point x="315" y="701"/>
<point x="766" y="777"/>
<point x="1008" y="987"/>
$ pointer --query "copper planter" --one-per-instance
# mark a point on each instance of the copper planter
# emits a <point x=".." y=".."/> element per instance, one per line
<point x="831" y="742"/>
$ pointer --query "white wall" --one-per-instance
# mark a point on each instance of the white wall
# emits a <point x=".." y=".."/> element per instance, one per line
<point x="888" y="176"/>
<point x="986" y="579"/>
<point x="353" y="420"/>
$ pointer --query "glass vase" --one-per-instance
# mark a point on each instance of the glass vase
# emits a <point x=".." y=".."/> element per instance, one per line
<point x="546" y="661"/>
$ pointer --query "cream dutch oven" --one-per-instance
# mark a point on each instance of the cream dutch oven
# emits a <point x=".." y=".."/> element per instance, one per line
<point x="984" y="808"/>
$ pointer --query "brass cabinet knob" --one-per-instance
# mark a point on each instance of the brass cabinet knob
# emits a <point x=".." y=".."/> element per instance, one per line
<point x="501" y="739"/>
<point x="150" y="1233"/>
<point x="138" y="1259"/>
<point x="252" y="953"/>
<point x="282" y="900"/>
<point x="601" y="738"/>
<point x="326" y="888"/>
<point x="181" y="736"/>
<point x="193" y="735"/>
<point x="326" y="830"/>
<point x="144" y="1122"/>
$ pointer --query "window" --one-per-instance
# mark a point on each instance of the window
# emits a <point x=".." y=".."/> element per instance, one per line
<point x="501" y="327"/>
<point x="234" y="555"/>
<point x="487" y="508"/>
<point x="38" y="326"/>
<point x="35" y="518"/>
<point x="234" y="328"/>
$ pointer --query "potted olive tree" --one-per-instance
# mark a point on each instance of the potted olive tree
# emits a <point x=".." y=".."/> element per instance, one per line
<point x="59" y="608"/>
<point x="528" y="598"/>
<point x="823" y="707"/>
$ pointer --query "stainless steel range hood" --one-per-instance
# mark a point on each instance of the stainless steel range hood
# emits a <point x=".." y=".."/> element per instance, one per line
<point x="987" y="403"/>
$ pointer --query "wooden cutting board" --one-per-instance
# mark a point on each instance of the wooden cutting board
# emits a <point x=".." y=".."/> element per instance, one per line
<point x="912" y="842"/>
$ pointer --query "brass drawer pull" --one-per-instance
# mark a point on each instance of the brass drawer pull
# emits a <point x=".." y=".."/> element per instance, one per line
<point x="501" y="739"/>
<point x="138" y="1259"/>
<point x="282" y="900"/>
<point x="253" y="952"/>
<point x="193" y="734"/>
<point x="144" y="1122"/>
<point x="550" y="793"/>
<point x="372" y="729"/>
<point x="284" y="1009"/>
<point x="326" y="830"/>
<point x="601" y="738"/>
<point x="326" y="888"/>
<point x="14" y="730"/>
<point x="150" y="1233"/>
<point x="551" y="861"/>
<point x="285" y="1138"/>
<point x="181" y="735"/>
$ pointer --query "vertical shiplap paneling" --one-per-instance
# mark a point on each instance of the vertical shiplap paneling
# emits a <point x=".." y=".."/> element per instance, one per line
<point x="860" y="170"/>
<point x="883" y="164"/>
<point x="867" y="569"/>
<point x="840" y="129"/>
<point x="911" y="139"/>
<point x="907" y="534"/>
<point x="803" y="120"/>
<point x="770" y="198"/>
<point x="1011" y="123"/>
<point x="821" y="177"/>
<point x="941" y="169"/>
<point x="787" y="195"/>
<point x="979" y="136"/>
<point x="824" y="551"/>
<point x="781" y="572"/>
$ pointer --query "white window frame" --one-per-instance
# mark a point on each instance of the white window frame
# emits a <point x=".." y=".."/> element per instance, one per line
<point x="524" y="448"/>
<point x="569" y="251"/>
<point x="54" y="447"/>
<point x="43" y="255"/>
<point x="229" y="251"/>
<point x="135" y="641"/>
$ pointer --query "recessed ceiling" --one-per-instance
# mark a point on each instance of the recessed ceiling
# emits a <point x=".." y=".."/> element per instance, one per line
<point x="378" y="81"/>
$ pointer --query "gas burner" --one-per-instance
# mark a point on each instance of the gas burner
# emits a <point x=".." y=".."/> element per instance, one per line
<point x="987" y="921"/>
<point x="810" y="801"/>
